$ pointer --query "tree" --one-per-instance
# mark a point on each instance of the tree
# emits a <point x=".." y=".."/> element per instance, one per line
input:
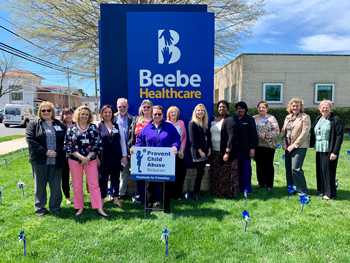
<point x="68" y="29"/>
<point x="8" y="63"/>
<point x="82" y="93"/>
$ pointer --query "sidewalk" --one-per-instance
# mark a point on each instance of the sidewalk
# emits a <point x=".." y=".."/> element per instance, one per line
<point x="13" y="145"/>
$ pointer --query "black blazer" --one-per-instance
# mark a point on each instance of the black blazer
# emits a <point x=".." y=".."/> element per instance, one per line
<point x="335" y="137"/>
<point x="36" y="139"/>
<point x="131" y="134"/>
<point x="199" y="139"/>
<point x="228" y="137"/>
<point x="247" y="136"/>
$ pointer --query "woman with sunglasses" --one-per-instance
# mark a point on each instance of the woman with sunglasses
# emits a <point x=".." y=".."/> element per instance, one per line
<point x="66" y="120"/>
<point x="158" y="133"/>
<point x="45" y="138"/>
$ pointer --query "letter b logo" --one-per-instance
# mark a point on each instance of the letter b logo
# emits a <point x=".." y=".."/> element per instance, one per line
<point x="168" y="53"/>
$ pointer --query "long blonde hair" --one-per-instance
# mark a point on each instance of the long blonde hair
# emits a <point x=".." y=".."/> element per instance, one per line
<point x="205" y="117"/>
<point x="141" y="118"/>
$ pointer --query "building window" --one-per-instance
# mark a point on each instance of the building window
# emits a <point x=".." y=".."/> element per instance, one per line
<point x="273" y="92"/>
<point x="324" y="91"/>
<point x="17" y="95"/>
<point x="59" y="96"/>
<point x="226" y="94"/>
<point x="233" y="94"/>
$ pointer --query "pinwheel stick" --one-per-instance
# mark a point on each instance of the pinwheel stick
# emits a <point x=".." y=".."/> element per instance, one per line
<point x="246" y="223"/>
<point x="166" y="240"/>
<point x="302" y="208"/>
<point x="22" y="190"/>
<point x="288" y="196"/>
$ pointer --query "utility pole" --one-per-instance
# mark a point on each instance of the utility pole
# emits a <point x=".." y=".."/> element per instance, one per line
<point x="68" y="88"/>
<point x="96" y="96"/>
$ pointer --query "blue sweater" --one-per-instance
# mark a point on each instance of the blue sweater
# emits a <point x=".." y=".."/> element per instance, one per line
<point x="168" y="136"/>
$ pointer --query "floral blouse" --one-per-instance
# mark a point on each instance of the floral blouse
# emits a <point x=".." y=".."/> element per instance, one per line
<point x="139" y="127"/>
<point x="268" y="127"/>
<point x="50" y="141"/>
<point x="82" y="142"/>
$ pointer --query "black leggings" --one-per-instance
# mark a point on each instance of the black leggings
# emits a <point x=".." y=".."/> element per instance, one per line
<point x="200" y="172"/>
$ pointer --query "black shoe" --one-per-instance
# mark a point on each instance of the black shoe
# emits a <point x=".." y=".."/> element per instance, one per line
<point x="106" y="216"/>
<point x="167" y="211"/>
<point x="195" y="197"/>
<point x="199" y="195"/>
<point x="258" y="186"/>
<point x="269" y="189"/>
<point x="148" y="211"/>
<point x="122" y="197"/>
<point x="56" y="212"/>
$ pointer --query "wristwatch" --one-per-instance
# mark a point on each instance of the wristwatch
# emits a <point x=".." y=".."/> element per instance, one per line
<point x="227" y="152"/>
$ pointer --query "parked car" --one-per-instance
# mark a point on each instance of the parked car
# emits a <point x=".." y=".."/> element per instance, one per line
<point x="15" y="114"/>
<point x="1" y="114"/>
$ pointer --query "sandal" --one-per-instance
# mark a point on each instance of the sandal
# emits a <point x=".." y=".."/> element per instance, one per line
<point x="326" y="197"/>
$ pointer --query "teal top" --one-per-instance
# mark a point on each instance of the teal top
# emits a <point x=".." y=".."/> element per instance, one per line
<point x="322" y="131"/>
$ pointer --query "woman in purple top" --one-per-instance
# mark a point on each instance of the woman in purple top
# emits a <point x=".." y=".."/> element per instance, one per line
<point x="158" y="133"/>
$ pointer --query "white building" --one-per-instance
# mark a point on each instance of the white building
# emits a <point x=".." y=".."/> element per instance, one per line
<point x="28" y="83"/>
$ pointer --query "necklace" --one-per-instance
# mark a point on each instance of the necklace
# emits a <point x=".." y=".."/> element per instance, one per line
<point x="109" y="134"/>
<point x="83" y="130"/>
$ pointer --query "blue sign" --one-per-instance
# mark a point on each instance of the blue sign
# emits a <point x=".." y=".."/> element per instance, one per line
<point x="153" y="164"/>
<point x="171" y="60"/>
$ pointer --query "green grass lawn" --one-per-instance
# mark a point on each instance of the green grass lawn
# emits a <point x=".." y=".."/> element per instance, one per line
<point x="211" y="230"/>
<point x="11" y="137"/>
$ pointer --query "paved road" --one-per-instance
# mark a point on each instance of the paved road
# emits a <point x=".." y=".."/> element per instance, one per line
<point x="12" y="130"/>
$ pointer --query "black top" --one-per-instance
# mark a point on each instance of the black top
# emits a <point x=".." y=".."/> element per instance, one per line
<point x="131" y="135"/>
<point x="111" y="154"/>
<point x="228" y="137"/>
<point x="247" y="136"/>
<point x="36" y="139"/>
<point x="335" y="137"/>
<point x="199" y="139"/>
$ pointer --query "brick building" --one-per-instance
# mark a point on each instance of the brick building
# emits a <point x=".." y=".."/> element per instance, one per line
<point x="58" y="96"/>
<point x="277" y="78"/>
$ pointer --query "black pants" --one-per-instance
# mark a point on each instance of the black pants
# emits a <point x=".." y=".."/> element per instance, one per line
<point x="65" y="179"/>
<point x="325" y="174"/>
<point x="151" y="192"/>
<point x="200" y="172"/>
<point x="265" y="171"/>
<point x="114" y="174"/>
<point x="180" y="174"/>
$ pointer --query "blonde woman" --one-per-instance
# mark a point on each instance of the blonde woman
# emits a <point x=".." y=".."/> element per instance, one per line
<point x="200" y="145"/>
<point x="45" y="138"/>
<point x="173" y="115"/>
<point x="82" y="144"/>
<point x="294" y="140"/>
<point x="223" y="161"/>
<point x="326" y="138"/>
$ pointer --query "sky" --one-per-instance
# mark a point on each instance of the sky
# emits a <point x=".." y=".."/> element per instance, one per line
<point x="293" y="27"/>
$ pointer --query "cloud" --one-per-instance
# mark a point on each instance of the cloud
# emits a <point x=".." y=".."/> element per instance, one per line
<point x="325" y="43"/>
<point x="272" y="32"/>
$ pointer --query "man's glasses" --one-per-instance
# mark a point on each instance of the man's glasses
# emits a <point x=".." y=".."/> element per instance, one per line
<point x="45" y="110"/>
<point x="146" y="107"/>
<point x="157" y="114"/>
<point x="119" y="107"/>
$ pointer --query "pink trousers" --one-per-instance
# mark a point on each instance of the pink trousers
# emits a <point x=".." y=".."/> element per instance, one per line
<point x="76" y="170"/>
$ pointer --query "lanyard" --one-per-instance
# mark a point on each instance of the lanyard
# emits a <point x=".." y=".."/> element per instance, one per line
<point x="320" y="123"/>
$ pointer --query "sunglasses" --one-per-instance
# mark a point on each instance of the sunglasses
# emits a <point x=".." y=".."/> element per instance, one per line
<point x="45" y="110"/>
<point x="119" y="107"/>
<point x="157" y="114"/>
<point x="146" y="107"/>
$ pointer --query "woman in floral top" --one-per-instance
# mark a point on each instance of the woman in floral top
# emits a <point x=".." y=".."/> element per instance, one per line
<point x="82" y="144"/>
<point x="267" y="129"/>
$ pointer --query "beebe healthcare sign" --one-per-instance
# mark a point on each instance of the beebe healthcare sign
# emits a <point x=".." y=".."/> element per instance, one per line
<point x="153" y="164"/>
<point x="170" y="58"/>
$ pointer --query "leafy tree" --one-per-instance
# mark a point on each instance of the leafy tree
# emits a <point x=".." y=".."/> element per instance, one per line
<point x="82" y="93"/>
<point x="69" y="28"/>
<point x="7" y="64"/>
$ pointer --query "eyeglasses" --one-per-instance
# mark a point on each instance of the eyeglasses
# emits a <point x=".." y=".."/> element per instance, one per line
<point x="146" y="107"/>
<point x="45" y="110"/>
<point x="157" y="114"/>
<point x="119" y="107"/>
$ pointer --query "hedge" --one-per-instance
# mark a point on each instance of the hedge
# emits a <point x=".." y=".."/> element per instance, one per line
<point x="281" y="113"/>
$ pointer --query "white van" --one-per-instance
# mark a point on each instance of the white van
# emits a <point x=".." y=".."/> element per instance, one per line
<point x="18" y="114"/>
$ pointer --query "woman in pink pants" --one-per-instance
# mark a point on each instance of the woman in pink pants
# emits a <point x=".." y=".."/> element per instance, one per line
<point x="82" y="144"/>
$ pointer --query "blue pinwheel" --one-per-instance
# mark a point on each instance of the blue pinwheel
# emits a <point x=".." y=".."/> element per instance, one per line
<point x="336" y="184"/>
<point x="291" y="189"/>
<point x="278" y="167"/>
<point x="187" y="195"/>
<point x="278" y="147"/>
<point x="21" y="185"/>
<point x="246" y="217"/>
<point x="71" y="184"/>
<point x="165" y="238"/>
<point x="304" y="199"/>
<point x="0" y="195"/>
<point x="20" y="238"/>
<point x="23" y="151"/>
<point x="348" y="153"/>
<point x="245" y="195"/>
<point x="135" y="198"/>
<point x="5" y="162"/>
<point x="283" y="157"/>
<point x="111" y="192"/>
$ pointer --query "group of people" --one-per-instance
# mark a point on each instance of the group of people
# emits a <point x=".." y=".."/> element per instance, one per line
<point x="229" y="143"/>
